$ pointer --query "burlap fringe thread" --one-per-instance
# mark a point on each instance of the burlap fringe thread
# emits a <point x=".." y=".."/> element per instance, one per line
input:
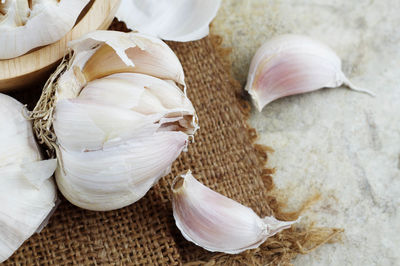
<point x="277" y="250"/>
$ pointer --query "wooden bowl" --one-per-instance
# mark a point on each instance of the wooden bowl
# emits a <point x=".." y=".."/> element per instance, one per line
<point x="34" y="66"/>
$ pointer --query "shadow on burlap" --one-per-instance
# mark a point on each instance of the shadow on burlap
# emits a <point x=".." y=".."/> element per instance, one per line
<point x="222" y="157"/>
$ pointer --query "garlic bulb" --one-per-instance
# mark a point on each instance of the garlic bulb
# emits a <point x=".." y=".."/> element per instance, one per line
<point x="293" y="64"/>
<point x="27" y="24"/>
<point x="175" y="20"/>
<point x="27" y="192"/>
<point x="120" y="119"/>
<point x="217" y="223"/>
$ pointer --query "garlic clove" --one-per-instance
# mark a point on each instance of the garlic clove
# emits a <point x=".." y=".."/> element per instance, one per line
<point x="175" y="20"/>
<point x="29" y="24"/>
<point x="102" y="53"/>
<point x="138" y="92"/>
<point x="217" y="223"/>
<point x="144" y="55"/>
<point x="293" y="64"/>
<point x="117" y="176"/>
<point x="86" y="126"/>
<point x="120" y="107"/>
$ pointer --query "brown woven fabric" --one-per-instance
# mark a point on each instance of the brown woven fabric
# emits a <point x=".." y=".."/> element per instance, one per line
<point x="222" y="157"/>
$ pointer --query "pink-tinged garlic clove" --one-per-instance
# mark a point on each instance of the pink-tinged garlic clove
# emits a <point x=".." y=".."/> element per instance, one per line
<point x="293" y="64"/>
<point x="217" y="223"/>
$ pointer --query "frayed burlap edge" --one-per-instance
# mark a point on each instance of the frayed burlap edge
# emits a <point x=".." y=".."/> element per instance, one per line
<point x="286" y="245"/>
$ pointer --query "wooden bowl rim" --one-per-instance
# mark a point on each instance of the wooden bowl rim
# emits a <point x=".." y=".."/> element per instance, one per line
<point x="98" y="15"/>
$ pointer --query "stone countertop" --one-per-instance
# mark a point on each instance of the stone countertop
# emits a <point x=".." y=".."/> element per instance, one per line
<point x="339" y="143"/>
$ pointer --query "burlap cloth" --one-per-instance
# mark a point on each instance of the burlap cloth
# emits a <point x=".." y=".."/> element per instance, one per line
<point x="223" y="157"/>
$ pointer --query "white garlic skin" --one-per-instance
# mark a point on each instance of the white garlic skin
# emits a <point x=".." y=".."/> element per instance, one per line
<point x="24" y="27"/>
<point x="217" y="223"/>
<point x="134" y="52"/>
<point x="174" y="20"/>
<point x="118" y="134"/>
<point x="27" y="191"/>
<point x="293" y="64"/>
<point x="118" y="138"/>
<point x="16" y="136"/>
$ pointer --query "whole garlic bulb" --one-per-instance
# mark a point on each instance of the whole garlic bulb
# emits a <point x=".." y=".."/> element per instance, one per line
<point x="27" y="24"/>
<point x="120" y="119"/>
<point x="217" y="223"/>
<point x="175" y="20"/>
<point x="27" y="191"/>
<point x="293" y="64"/>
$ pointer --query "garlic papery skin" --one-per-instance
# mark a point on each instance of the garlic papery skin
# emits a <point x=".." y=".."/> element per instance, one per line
<point x="217" y="223"/>
<point x="27" y="191"/>
<point x="17" y="143"/>
<point x="101" y="53"/>
<point x="174" y="20"/>
<point x="27" y="24"/>
<point x="293" y="64"/>
<point x="120" y="127"/>
<point x="118" y="138"/>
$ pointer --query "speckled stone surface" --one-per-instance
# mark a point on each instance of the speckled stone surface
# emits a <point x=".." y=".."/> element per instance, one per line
<point x="342" y="144"/>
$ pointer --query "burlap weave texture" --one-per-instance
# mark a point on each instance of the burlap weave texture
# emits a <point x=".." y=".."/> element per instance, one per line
<point x="222" y="157"/>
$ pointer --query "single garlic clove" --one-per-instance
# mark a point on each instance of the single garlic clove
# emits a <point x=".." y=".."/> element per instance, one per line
<point x="148" y="56"/>
<point x="293" y="64"/>
<point x="138" y="92"/>
<point x="27" y="191"/>
<point x="87" y="126"/>
<point x="217" y="223"/>
<point x="25" y="24"/>
<point x="175" y="20"/>
<point x="119" y="175"/>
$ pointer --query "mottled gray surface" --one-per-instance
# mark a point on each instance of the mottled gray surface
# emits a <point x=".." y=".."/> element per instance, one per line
<point x="343" y="144"/>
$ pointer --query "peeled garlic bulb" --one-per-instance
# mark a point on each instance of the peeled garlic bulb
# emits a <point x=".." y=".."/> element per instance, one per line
<point x="27" y="192"/>
<point x="27" y="24"/>
<point x="175" y="20"/>
<point x="118" y="134"/>
<point x="293" y="64"/>
<point x="217" y="223"/>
